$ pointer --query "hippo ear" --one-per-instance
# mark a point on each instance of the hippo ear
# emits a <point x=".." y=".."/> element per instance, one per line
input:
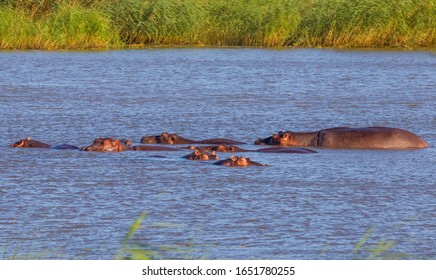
<point x="213" y="153"/>
<point x="28" y="138"/>
<point x="233" y="158"/>
<point x="197" y="153"/>
<point x="191" y="147"/>
<point x="242" y="161"/>
<point x="204" y="157"/>
<point x="285" y="135"/>
<point x="231" y="149"/>
<point x="21" y="144"/>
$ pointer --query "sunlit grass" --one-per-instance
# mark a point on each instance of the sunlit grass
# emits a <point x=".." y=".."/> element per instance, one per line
<point x="49" y="24"/>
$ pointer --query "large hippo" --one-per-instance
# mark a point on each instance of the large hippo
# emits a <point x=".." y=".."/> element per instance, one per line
<point x="238" y="161"/>
<point x="108" y="145"/>
<point x="348" y="138"/>
<point x="202" y="155"/>
<point x="172" y="138"/>
<point x="29" y="143"/>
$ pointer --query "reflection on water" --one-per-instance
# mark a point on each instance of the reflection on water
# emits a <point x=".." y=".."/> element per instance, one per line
<point x="70" y="204"/>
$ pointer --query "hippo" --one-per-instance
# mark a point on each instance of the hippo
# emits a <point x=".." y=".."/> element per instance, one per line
<point x="202" y="155"/>
<point x="238" y="161"/>
<point x="154" y="148"/>
<point x="348" y="138"/>
<point x="65" y="147"/>
<point x="286" y="150"/>
<point x="108" y="145"/>
<point x="28" y="143"/>
<point x="172" y="138"/>
<point x="220" y="148"/>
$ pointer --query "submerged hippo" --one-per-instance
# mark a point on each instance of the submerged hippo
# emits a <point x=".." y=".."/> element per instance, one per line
<point x="29" y="143"/>
<point x="154" y="148"/>
<point x="348" y="138"/>
<point x="108" y="145"/>
<point x="220" y="148"/>
<point x="238" y="161"/>
<point x="286" y="150"/>
<point x="172" y="138"/>
<point x="202" y="155"/>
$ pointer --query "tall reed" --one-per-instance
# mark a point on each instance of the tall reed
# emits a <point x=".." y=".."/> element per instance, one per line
<point x="274" y="23"/>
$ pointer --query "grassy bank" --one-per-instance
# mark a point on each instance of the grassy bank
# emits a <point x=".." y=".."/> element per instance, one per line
<point x="50" y="24"/>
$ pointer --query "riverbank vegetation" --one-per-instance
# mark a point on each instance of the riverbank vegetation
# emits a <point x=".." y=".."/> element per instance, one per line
<point x="84" y="24"/>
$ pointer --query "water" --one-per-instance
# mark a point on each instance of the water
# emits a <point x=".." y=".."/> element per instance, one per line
<point x="79" y="205"/>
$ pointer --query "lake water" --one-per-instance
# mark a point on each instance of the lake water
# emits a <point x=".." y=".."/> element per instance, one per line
<point x="78" y="205"/>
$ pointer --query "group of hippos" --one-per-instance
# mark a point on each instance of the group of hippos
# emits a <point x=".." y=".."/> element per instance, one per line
<point x="282" y="142"/>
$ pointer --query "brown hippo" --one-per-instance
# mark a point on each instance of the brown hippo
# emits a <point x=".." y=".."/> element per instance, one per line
<point x="348" y="138"/>
<point x="154" y="148"/>
<point x="220" y="148"/>
<point x="108" y="145"/>
<point x="28" y="143"/>
<point x="202" y="155"/>
<point x="172" y="138"/>
<point x="238" y="161"/>
<point x="286" y="150"/>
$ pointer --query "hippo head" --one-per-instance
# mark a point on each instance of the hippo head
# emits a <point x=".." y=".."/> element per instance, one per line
<point x="19" y="144"/>
<point x="107" y="145"/>
<point x="150" y="139"/>
<point x="236" y="161"/>
<point x="198" y="155"/>
<point x="283" y="139"/>
<point x="224" y="148"/>
<point x="239" y="161"/>
<point x="166" y="138"/>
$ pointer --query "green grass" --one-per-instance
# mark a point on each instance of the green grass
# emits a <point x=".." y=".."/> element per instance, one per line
<point x="83" y="24"/>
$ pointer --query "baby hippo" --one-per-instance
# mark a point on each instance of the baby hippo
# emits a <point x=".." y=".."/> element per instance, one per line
<point x="238" y="161"/>
<point x="202" y="155"/>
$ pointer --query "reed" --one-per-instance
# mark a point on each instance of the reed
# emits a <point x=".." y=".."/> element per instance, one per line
<point x="50" y="24"/>
<point x="369" y="23"/>
<point x="64" y="26"/>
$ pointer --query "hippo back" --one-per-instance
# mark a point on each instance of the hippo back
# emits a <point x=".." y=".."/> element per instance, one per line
<point x="370" y="138"/>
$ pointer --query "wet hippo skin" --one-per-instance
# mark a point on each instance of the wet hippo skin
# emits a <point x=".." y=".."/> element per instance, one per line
<point x="172" y="138"/>
<point x="348" y="138"/>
